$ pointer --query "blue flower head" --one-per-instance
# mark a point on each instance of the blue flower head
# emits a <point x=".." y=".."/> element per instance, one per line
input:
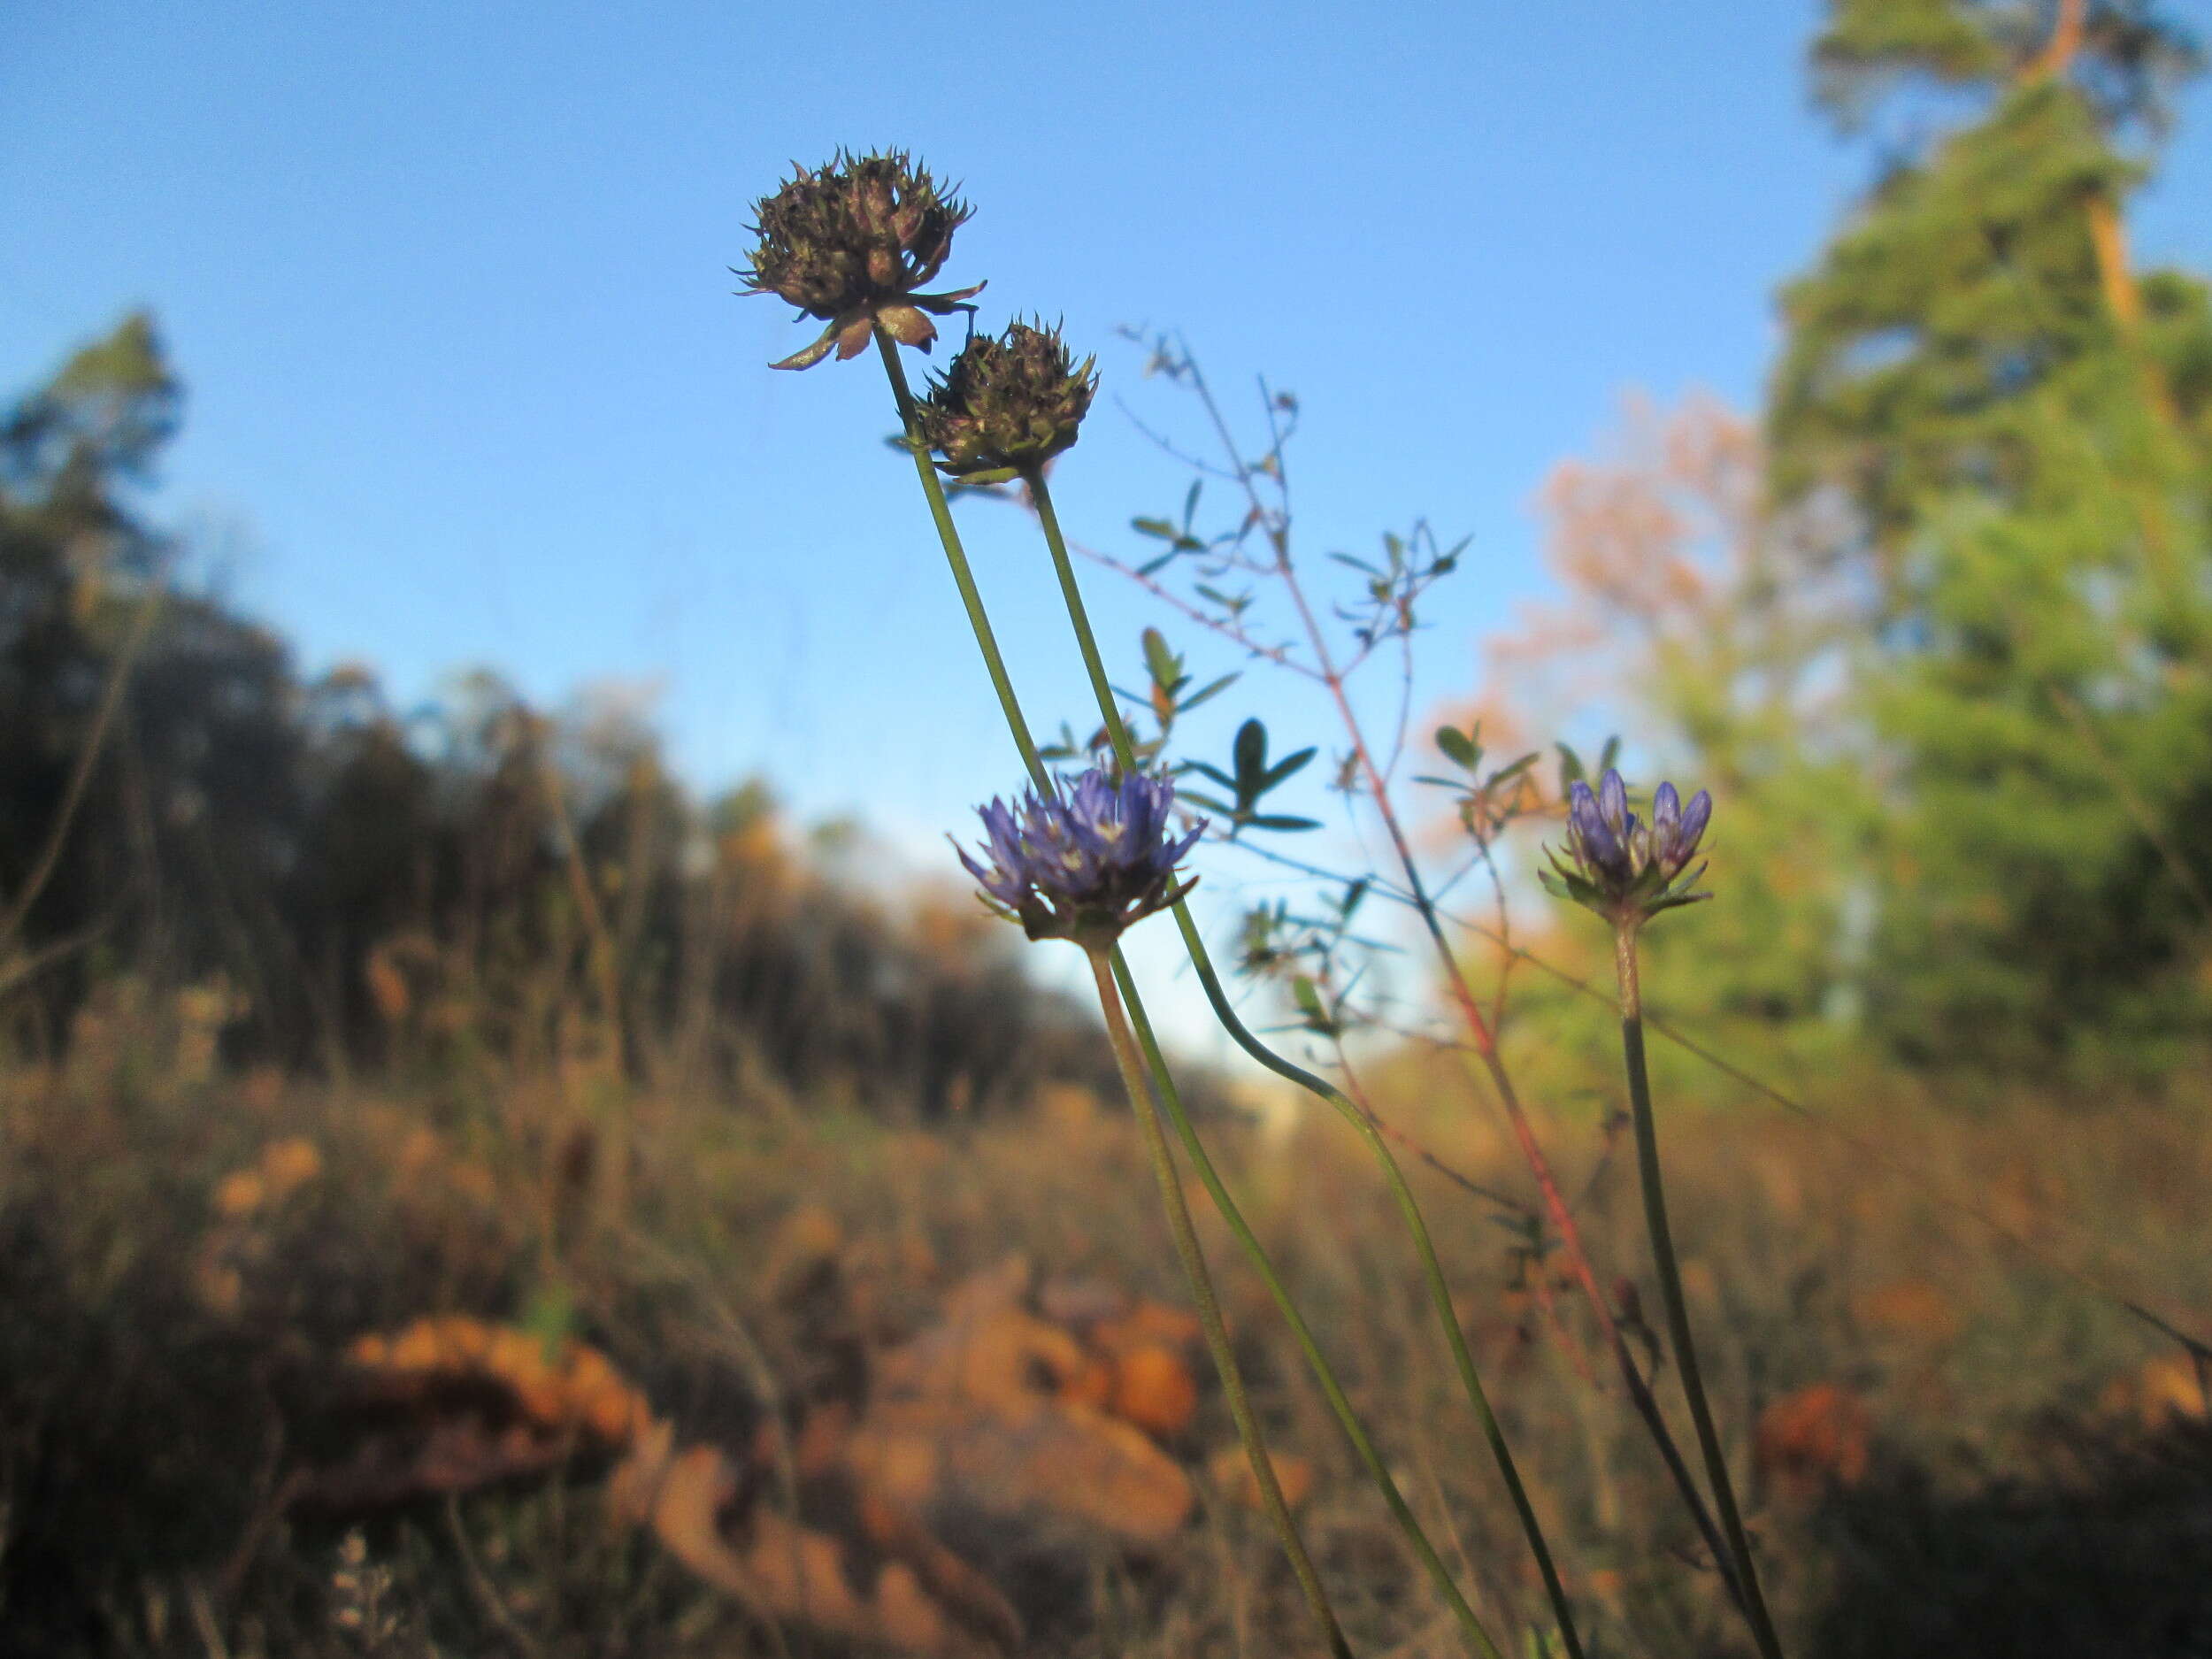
<point x="1084" y="859"/>
<point x="1625" y="870"/>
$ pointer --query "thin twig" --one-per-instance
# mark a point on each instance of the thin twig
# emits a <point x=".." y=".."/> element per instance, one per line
<point x="89" y="751"/>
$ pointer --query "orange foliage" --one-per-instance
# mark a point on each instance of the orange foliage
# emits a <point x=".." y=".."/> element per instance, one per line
<point x="1911" y="1308"/>
<point x="2168" y="1388"/>
<point x="1230" y="1470"/>
<point x="557" y="1388"/>
<point x="1812" y="1438"/>
<point x="1154" y="1389"/>
<point x="283" y="1167"/>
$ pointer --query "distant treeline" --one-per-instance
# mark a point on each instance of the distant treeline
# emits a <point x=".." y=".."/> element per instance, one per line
<point x="473" y="880"/>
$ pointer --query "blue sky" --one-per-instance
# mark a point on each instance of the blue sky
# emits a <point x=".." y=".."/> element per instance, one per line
<point x="468" y="385"/>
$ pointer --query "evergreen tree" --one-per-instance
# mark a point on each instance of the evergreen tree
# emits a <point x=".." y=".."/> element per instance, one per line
<point x="2002" y="436"/>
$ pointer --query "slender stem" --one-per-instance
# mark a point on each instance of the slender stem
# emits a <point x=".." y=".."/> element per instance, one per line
<point x="962" y="578"/>
<point x="1486" y="1041"/>
<point x="1324" y="1373"/>
<point x="1671" y="1290"/>
<point x="88" y="752"/>
<point x="1171" y="1183"/>
<point x="1009" y="704"/>
<point x="1433" y="1273"/>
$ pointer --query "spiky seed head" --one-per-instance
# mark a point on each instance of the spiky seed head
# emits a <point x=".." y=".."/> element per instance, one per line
<point x="1008" y="404"/>
<point x="853" y="243"/>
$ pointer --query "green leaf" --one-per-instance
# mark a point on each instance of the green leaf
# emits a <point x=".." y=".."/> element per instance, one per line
<point x="1570" y="771"/>
<point x="1458" y="747"/>
<point x="1166" y="668"/>
<point x="1250" y="755"/>
<point x="1159" y="529"/>
<point x="1198" y="698"/>
<point x="1232" y="602"/>
<point x="1281" y="821"/>
<point x="1285" y="768"/>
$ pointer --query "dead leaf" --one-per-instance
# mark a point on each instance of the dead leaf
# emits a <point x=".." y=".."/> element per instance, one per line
<point x="1812" y="1438"/>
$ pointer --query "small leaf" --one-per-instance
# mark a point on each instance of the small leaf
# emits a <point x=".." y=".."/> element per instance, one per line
<point x="1232" y="602"/>
<point x="1198" y="698"/>
<point x="1251" y="753"/>
<point x="1279" y="821"/>
<point x="1152" y="566"/>
<point x="1458" y="747"/>
<point x="1190" y="503"/>
<point x="1285" y="768"/>
<point x="1570" y="771"/>
<point x="1166" y="668"/>
<point x="1159" y="529"/>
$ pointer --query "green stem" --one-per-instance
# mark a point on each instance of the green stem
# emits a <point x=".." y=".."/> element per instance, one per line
<point x="1104" y="964"/>
<point x="979" y="620"/>
<point x="1323" y="1372"/>
<point x="1432" y="1271"/>
<point x="1671" y="1290"/>
<point x="962" y="578"/>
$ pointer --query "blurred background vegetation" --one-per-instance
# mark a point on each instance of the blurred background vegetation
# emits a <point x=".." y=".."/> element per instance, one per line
<point x="323" y="1018"/>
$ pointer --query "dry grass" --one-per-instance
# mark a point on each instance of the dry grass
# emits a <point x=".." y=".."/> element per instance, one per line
<point x="1955" y="1450"/>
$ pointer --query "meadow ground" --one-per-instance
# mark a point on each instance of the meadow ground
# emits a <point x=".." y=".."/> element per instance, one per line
<point x="1950" y="1448"/>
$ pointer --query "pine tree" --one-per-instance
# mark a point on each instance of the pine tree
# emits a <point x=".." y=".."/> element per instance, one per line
<point x="2002" y="436"/>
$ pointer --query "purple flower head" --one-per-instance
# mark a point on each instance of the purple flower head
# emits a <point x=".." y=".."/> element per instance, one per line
<point x="1625" y="870"/>
<point x="1085" y="859"/>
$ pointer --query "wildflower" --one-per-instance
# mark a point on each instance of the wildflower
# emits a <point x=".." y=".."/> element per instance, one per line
<point x="1083" y="860"/>
<point x="1007" y="405"/>
<point x="852" y="243"/>
<point x="1622" y="868"/>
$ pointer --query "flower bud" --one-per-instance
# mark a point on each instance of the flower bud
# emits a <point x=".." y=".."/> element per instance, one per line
<point x="1625" y="870"/>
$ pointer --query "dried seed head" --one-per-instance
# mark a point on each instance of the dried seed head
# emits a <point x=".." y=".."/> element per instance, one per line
<point x="852" y="243"/>
<point x="1007" y="405"/>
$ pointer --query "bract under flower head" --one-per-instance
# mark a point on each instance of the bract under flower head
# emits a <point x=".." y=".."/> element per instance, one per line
<point x="852" y="243"/>
<point x="1084" y="860"/>
<point x="1006" y="404"/>
<point x="1622" y="868"/>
